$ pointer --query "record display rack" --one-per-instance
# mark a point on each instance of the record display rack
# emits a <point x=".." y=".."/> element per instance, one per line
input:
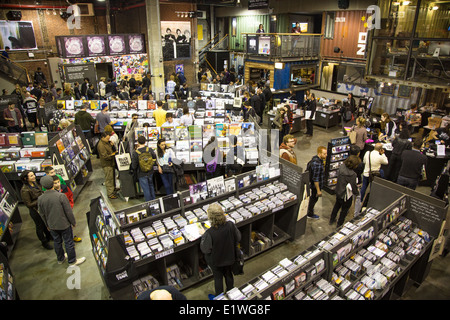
<point x="338" y="150"/>
<point x="8" y="289"/>
<point x="375" y="256"/>
<point x="140" y="242"/>
<point x="77" y="164"/>
<point x="10" y="219"/>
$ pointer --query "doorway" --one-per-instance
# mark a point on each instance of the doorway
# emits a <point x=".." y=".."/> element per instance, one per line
<point x="104" y="70"/>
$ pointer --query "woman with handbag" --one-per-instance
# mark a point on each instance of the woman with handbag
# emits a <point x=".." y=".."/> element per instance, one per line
<point x="373" y="161"/>
<point x="30" y="192"/>
<point x="219" y="245"/>
<point x="164" y="160"/>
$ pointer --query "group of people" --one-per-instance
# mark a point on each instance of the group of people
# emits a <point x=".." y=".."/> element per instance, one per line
<point x="50" y="204"/>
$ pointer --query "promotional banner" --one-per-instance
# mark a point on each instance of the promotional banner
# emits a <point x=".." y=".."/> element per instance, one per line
<point x="17" y="35"/>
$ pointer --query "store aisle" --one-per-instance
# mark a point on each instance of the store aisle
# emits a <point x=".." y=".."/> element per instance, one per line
<point x="39" y="277"/>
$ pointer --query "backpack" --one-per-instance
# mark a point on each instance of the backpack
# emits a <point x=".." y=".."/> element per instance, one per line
<point x="347" y="112"/>
<point x="146" y="160"/>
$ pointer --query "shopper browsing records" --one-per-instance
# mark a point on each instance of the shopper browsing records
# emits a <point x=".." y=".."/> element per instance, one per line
<point x="30" y="106"/>
<point x="162" y="293"/>
<point x="14" y="118"/>
<point x="84" y="120"/>
<point x="113" y="137"/>
<point x="372" y="166"/>
<point x="186" y="119"/>
<point x="57" y="214"/>
<point x="159" y="114"/>
<point x="413" y="162"/>
<point x="164" y="161"/>
<point x="219" y="245"/>
<point x="287" y="149"/>
<point x="316" y="171"/>
<point x="169" y="120"/>
<point x="235" y="158"/>
<point x="388" y="128"/>
<point x="346" y="188"/>
<point x="248" y="111"/>
<point x="131" y="126"/>
<point x="107" y="157"/>
<point x="103" y="118"/>
<point x="30" y="192"/>
<point x="211" y="156"/>
<point x="400" y="144"/>
<point x="142" y="161"/>
<point x="361" y="134"/>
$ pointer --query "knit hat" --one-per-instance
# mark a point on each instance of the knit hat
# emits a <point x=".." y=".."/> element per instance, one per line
<point x="47" y="182"/>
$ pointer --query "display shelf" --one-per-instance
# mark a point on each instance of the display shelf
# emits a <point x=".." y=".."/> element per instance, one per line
<point x="160" y="241"/>
<point x="337" y="151"/>
<point x="8" y="289"/>
<point x="374" y="256"/>
<point x="10" y="219"/>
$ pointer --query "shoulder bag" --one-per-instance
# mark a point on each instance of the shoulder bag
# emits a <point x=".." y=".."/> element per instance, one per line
<point x="372" y="174"/>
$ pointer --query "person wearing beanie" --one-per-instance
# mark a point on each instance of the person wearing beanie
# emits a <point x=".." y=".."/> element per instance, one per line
<point x="56" y="212"/>
<point x="103" y="118"/>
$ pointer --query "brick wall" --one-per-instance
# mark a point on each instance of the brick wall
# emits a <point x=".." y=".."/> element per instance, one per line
<point x="46" y="28"/>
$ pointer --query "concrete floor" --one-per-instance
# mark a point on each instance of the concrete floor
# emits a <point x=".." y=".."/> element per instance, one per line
<point x="39" y="277"/>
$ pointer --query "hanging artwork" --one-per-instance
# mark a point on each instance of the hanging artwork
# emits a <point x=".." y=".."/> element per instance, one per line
<point x="176" y="39"/>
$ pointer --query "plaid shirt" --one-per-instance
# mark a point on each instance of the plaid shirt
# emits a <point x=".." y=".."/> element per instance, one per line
<point x="317" y="171"/>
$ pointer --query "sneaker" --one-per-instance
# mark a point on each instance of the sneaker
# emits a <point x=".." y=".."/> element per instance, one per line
<point x="62" y="261"/>
<point x="314" y="216"/>
<point x="78" y="261"/>
<point x="113" y="196"/>
<point x="211" y="296"/>
<point x="76" y="239"/>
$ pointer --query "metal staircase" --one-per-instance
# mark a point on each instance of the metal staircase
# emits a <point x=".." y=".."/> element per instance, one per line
<point x="14" y="72"/>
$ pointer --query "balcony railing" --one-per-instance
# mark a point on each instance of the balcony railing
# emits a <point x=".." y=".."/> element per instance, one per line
<point x="283" y="45"/>
<point x="14" y="71"/>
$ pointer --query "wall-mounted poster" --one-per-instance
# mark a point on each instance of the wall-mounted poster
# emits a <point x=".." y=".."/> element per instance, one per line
<point x="17" y="35"/>
<point x="74" y="47"/>
<point x="252" y="44"/>
<point x="176" y="39"/>
<point x="117" y="44"/>
<point x="96" y="46"/>
<point x="136" y="43"/>
<point x="264" y="45"/>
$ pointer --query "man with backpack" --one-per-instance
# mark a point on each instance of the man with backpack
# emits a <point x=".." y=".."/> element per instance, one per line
<point x="142" y="161"/>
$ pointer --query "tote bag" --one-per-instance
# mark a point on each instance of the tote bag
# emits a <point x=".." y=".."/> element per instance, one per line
<point x="123" y="159"/>
<point x="59" y="168"/>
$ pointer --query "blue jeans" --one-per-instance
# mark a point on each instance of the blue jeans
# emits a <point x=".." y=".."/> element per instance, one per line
<point x="67" y="236"/>
<point x="408" y="182"/>
<point x="146" y="183"/>
<point x="167" y="182"/>
<point x="365" y="184"/>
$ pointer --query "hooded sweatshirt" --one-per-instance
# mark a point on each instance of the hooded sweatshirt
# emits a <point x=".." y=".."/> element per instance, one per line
<point x="345" y="176"/>
<point x="287" y="153"/>
<point x="84" y="120"/>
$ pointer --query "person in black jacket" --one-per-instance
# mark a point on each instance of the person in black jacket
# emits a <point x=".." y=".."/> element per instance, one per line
<point x="84" y="87"/>
<point x="219" y="245"/>
<point x="346" y="175"/>
<point x="310" y="106"/>
<point x="400" y="144"/>
<point x="255" y="102"/>
<point x="76" y="90"/>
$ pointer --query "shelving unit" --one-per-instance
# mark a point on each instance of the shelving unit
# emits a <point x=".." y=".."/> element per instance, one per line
<point x="176" y="258"/>
<point x="10" y="219"/>
<point x="337" y="151"/>
<point x="8" y="289"/>
<point x="375" y="256"/>
<point x="77" y="163"/>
